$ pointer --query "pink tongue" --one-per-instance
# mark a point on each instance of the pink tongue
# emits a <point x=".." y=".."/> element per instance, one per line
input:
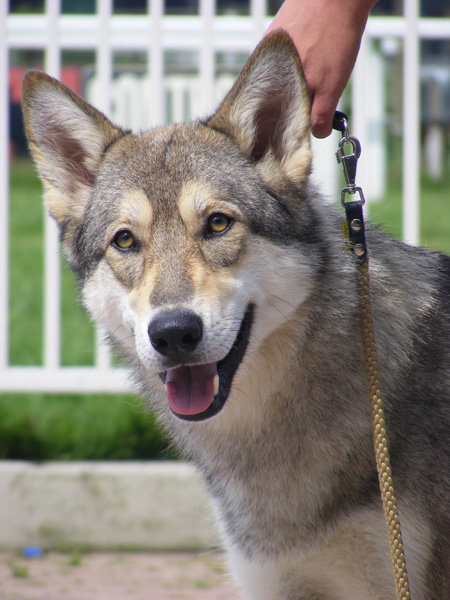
<point x="190" y="390"/>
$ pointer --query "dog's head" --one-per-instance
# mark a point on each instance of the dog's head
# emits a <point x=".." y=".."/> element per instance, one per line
<point x="187" y="239"/>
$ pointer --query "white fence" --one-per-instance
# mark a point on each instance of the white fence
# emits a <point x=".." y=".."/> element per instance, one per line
<point x="208" y="34"/>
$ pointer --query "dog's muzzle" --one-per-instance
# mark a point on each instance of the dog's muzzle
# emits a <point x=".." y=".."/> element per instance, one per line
<point x="195" y="391"/>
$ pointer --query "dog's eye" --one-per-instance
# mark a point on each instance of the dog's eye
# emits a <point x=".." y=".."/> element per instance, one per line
<point x="218" y="223"/>
<point x="124" y="240"/>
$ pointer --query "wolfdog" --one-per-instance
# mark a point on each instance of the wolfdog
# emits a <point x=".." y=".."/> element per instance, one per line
<point x="222" y="277"/>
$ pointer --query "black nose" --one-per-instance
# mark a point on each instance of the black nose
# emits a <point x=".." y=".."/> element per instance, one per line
<point x="175" y="332"/>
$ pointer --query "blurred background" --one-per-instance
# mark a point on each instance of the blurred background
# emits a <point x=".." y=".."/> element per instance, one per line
<point x="63" y="396"/>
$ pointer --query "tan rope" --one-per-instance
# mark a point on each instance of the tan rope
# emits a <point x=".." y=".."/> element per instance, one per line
<point x="379" y="435"/>
<point x="352" y="199"/>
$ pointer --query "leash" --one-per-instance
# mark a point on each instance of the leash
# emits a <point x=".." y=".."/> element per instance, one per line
<point x="352" y="199"/>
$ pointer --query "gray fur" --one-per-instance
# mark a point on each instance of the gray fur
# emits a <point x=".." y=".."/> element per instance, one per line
<point x="289" y="459"/>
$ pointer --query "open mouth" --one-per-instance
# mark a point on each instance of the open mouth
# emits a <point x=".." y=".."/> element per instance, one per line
<point x="199" y="392"/>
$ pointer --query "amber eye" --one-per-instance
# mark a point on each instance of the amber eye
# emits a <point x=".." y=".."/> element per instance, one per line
<point x="124" y="240"/>
<point x="218" y="223"/>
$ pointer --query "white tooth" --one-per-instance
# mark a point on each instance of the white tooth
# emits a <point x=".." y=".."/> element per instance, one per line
<point x="216" y="385"/>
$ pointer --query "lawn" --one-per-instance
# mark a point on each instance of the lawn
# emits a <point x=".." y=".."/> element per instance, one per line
<point x="39" y="426"/>
<point x="70" y="426"/>
<point x="26" y="280"/>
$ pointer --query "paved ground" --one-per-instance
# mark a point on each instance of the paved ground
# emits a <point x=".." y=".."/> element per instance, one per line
<point x="124" y="576"/>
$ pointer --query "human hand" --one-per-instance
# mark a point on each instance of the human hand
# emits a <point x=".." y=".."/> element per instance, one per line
<point x="327" y="35"/>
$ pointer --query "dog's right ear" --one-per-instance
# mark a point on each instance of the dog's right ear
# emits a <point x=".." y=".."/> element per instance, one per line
<point x="68" y="138"/>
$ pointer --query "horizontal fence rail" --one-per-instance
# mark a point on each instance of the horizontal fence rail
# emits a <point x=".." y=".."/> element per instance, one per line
<point x="154" y="34"/>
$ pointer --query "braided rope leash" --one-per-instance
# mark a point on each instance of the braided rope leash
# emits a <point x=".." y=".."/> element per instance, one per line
<point x="380" y="435"/>
<point x="354" y="228"/>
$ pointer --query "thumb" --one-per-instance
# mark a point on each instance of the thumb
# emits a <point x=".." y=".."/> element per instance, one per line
<point x="322" y="113"/>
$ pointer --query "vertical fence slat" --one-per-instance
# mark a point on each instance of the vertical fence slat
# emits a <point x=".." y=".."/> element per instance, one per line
<point x="207" y="55"/>
<point x="52" y="306"/>
<point x="258" y="14"/>
<point x="155" y="62"/>
<point x="411" y="123"/>
<point x="102" y="350"/>
<point x="52" y="275"/>
<point x="157" y="38"/>
<point x="104" y="55"/>
<point x="104" y="77"/>
<point x="53" y="50"/>
<point x="4" y="190"/>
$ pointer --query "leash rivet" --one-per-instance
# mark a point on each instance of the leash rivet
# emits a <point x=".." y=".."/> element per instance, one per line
<point x="356" y="225"/>
<point x="359" y="249"/>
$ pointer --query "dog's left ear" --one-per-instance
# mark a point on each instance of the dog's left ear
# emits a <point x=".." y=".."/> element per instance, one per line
<point x="267" y="111"/>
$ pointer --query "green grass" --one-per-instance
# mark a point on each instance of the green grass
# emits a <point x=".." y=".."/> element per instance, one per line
<point x="26" y="261"/>
<point x="20" y="572"/>
<point x="434" y="213"/>
<point x="26" y="281"/>
<point x="434" y="209"/>
<point x="78" y="427"/>
<point x="71" y="427"/>
<point x="75" y="558"/>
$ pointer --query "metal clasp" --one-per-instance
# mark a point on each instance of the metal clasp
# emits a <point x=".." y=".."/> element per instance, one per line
<point x="349" y="161"/>
<point x="351" y="191"/>
<point x="352" y="197"/>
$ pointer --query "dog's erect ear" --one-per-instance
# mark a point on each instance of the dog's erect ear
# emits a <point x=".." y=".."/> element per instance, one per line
<point x="267" y="111"/>
<point x="68" y="138"/>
